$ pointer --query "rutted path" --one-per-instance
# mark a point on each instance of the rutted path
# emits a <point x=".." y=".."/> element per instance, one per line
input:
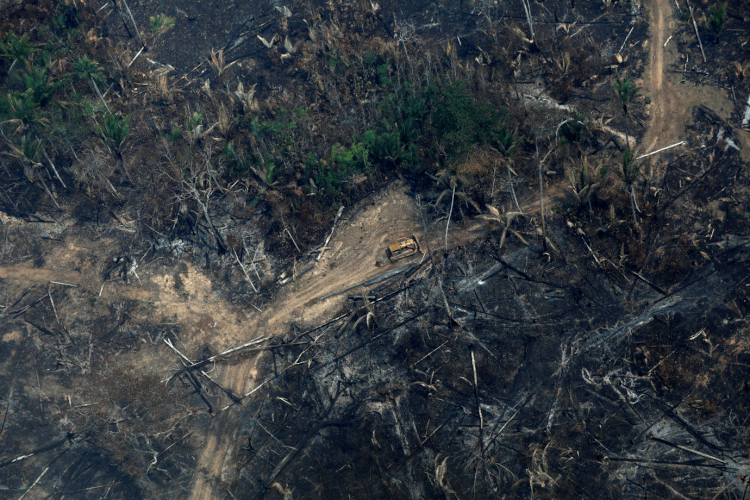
<point x="359" y="241"/>
<point x="354" y="249"/>
<point x="672" y="102"/>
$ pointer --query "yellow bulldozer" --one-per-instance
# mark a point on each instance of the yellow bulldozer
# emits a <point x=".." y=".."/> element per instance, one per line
<point x="402" y="248"/>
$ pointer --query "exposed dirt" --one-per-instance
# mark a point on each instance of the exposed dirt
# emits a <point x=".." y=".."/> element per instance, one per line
<point x="672" y="99"/>
<point x="355" y="253"/>
<point x="357" y="244"/>
<point x="181" y="293"/>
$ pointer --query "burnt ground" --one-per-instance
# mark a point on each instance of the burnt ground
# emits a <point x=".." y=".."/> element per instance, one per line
<point x="608" y="360"/>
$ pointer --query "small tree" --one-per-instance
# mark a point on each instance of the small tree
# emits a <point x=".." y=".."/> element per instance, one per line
<point x="87" y="68"/>
<point x="114" y="130"/>
<point x="16" y="49"/>
<point x="504" y="220"/>
<point x="584" y="183"/>
<point x="27" y="151"/>
<point x="630" y="172"/>
<point x="717" y="17"/>
<point x="627" y="92"/>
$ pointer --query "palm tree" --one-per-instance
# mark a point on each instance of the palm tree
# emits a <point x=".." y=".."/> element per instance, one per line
<point x="583" y="185"/>
<point x="630" y="172"/>
<point x="368" y="311"/>
<point x="626" y="91"/>
<point x="505" y="222"/>
<point x="451" y="180"/>
<point x="114" y="130"/>
<point x="16" y="48"/>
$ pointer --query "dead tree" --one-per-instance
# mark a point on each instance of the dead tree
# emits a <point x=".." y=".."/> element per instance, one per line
<point x="198" y="181"/>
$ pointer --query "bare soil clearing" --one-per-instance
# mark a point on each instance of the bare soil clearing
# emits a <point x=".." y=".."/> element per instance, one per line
<point x="509" y="350"/>
<point x="356" y="252"/>
<point x="357" y="244"/>
<point x="672" y="98"/>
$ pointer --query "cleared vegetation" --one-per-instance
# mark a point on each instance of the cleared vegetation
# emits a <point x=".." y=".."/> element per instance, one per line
<point x="196" y="297"/>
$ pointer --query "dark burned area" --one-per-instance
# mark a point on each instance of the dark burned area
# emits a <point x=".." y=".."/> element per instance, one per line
<point x="492" y="373"/>
<point x="599" y="351"/>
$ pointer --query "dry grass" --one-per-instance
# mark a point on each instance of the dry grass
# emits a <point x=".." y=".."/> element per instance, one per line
<point x="218" y="63"/>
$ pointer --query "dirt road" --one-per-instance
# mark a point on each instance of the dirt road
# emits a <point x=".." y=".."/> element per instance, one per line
<point x="354" y="249"/>
<point x="207" y="319"/>
<point x="672" y="102"/>
<point x="358" y="243"/>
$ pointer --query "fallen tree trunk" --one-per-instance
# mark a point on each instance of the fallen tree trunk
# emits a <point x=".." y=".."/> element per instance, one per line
<point x="325" y="244"/>
<point x="370" y="281"/>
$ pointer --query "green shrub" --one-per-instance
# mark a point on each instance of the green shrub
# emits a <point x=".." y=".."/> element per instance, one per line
<point x="351" y="160"/>
<point x="160" y="23"/>
<point x="66" y="19"/>
<point x="87" y="68"/>
<point x="459" y="121"/>
<point x="571" y="130"/>
<point x="40" y="86"/>
<point x="28" y="149"/>
<point x="328" y="177"/>
<point x="383" y="75"/>
<point x="194" y="121"/>
<point x="114" y="130"/>
<point x="280" y="135"/>
<point x="717" y="17"/>
<point x="23" y="106"/>
<point x="174" y="134"/>
<point x="17" y="48"/>
<point x="625" y="90"/>
<point x="387" y="148"/>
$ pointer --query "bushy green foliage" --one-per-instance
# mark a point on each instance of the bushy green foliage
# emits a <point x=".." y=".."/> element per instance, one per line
<point x="161" y="23"/>
<point x="278" y="138"/>
<point x="444" y="119"/>
<point x="174" y="134"/>
<point x="571" y="130"/>
<point x="16" y="48"/>
<point x="383" y="74"/>
<point x="584" y="181"/>
<point x="386" y="147"/>
<point x="40" y="85"/>
<point x="40" y="89"/>
<point x="353" y="159"/>
<point x="23" y="106"/>
<point x="625" y="90"/>
<point x="460" y="121"/>
<point x="65" y="19"/>
<point x="717" y="17"/>
<point x="194" y="120"/>
<point x="344" y="162"/>
<point x="87" y="68"/>
<point x="114" y="130"/>
<point x="29" y="148"/>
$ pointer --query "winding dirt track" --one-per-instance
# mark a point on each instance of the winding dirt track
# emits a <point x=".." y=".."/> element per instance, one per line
<point x="356" y="245"/>
<point x="359" y="241"/>
<point x="672" y="102"/>
<point x="354" y="249"/>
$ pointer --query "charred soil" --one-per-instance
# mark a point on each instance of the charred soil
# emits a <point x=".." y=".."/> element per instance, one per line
<point x="197" y="199"/>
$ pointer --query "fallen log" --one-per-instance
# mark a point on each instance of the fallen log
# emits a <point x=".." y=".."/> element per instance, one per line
<point x="697" y="35"/>
<point x="328" y="238"/>
<point x="370" y="281"/>
<point x="200" y="364"/>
